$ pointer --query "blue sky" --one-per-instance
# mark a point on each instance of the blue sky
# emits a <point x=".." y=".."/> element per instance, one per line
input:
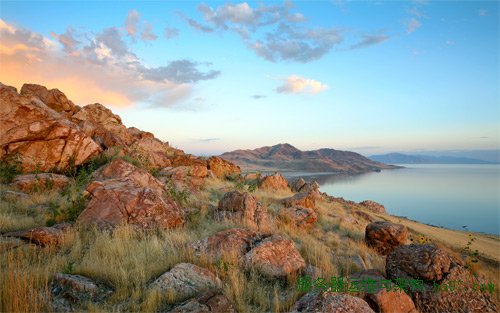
<point x="368" y="76"/>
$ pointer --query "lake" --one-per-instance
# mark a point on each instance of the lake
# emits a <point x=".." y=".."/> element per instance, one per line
<point x="450" y="195"/>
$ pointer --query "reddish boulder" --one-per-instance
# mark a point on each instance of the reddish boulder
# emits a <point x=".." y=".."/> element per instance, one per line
<point x="186" y="280"/>
<point x="40" y="182"/>
<point x="385" y="236"/>
<point x="152" y="152"/>
<point x="244" y="207"/>
<point x="235" y="242"/>
<point x="275" y="257"/>
<point x="446" y="285"/>
<point x="138" y="134"/>
<point x="53" y="98"/>
<point x="373" y="206"/>
<point x="127" y="194"/>
<point x="222" y="168"/>
<point x="43" y="236"/>
<point x="39" y="137"/>
<point x="326" y="302"/>
<point x="299" y="216"/>
<point x="300" y="185"/>
<point x="213" y="301"/>
<point x="274" y="182"/>
<point x="303" y="199"/>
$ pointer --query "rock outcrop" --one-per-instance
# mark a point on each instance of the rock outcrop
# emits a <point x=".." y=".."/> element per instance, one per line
<point x="54" y="98"/>
<point x="326" y="302"/>
<point x="373" y="206"/>
<point x="40" y="182"/>
<point x="186" y="280"/>
<point x="300" y="185"/>
<point x="244" y="207"/>
<point x="299" y="216"/>
<point x="71" y="291"/>
<point x="222" y="168"/>
<point x="303" y="199"/>
<point x="43" y="236"/>
<point x="235" y="242"/>
<point x="447" y="286"/>
<point x="275" y="257"/>
<point x="274" y="182"/>
<point x="124" y="193"/>
<point x="209" y="302"/>
<point x="380" y="298"/>
<point x="384" y="237"/>
<point x="38" y="137"/>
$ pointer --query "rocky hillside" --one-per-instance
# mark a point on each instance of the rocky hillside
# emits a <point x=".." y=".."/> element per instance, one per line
<point x="95" y="216"/>
<point x="285" y="157"/>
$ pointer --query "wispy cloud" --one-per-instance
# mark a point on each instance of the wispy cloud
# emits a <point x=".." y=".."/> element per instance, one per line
<point x="482" y="12"/>
<point x="147" y="33"/>
<point x="99" y="67"/>
<point x="170" y="33"/>
<point x="131" y="23"/>
<point x="257" y="97"/>
<point x="207" y="140"/>
<point x="370" y="40"/>
<point x="296" y="84"/>
<point x="413" y="25"/>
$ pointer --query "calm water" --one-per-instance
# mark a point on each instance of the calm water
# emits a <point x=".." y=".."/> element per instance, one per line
<point x="444" y="195"/>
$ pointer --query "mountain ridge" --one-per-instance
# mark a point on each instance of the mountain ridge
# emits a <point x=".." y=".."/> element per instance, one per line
<point x="402" y="158"/>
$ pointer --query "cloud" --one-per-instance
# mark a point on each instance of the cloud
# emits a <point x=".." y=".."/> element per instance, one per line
<point x="147" y="33"/>
<point x="413" y="25"/>
<point x="283" y="40"/>
<point x="482" y="12"/>
<point x="207" y="140"/>
<point x="131" y="23"/>
<point x="100" y="68"/>
<point x="170" y="33"/>
<point x="257" y="97"/>
<point x="370" y="40"/>
<point x="297" y="84"/>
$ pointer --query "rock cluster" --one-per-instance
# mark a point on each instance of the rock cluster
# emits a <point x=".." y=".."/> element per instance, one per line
<point x="244" y="207"/>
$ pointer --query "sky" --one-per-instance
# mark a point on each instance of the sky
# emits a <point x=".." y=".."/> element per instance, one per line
<point x="209" y="77"/>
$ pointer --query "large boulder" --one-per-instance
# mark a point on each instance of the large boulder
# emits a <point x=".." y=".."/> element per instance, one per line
<point x="186" y="280"/>
<point x="275" y="257"/>
<point x="380" y="298"/>
<point x="235" y="242"/>
<point x="40" y="182"/>
<point x="385" y="236"/>
<point x="152" y="152"/>
<point x="38" y="137"/>
<point x="298" y="216"/>
<point x="222" y="168"/>
<point x="53" y="98"/>
<point x="124" y="193"/>
<point x="303" y="199"/>
<point x="213" y="301"/>
<point x="326" y="302"/>
<point x="373" y="206"/>
<point x="274" y="182"/>
<point x="300" y="185"/>
<point x="244" y="207"/>
<point x="101" y="124"/>
<point x="69" y="292"/>
<point x="446" y="285"/>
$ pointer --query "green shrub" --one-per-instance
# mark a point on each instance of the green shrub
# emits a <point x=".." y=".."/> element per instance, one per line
<point x="8" y="171"/>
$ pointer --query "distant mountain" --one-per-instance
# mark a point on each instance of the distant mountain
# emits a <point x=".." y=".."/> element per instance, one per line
<point x="399" y="158"/>
<point x="285" y="157"/>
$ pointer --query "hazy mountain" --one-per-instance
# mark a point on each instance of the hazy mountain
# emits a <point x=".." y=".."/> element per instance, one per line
<point x="286" y="157"/>
<point x="399" y="158"/>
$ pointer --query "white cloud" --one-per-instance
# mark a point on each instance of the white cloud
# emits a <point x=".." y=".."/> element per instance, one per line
<point x="297" y="84"/>
<point x="413" y="25"/>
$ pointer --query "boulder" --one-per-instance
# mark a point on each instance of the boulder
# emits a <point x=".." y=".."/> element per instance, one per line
<point x="373" y="206"/>
<point x="103" y="126"/>
<point x="124" y="193"/>
<point x="185" y="177"/>
<point x="40" y="182"/>
<point x="69" y="291"/>
<point x="187" y="160"/>
<point x="326" y="302"/>
<point x="274" y="182"/>
<point x="367" y="217"/>
<point x="151" y="152"/>
<point x="235" y="242"/>
<point x="297" y="184"/>
<point x="385" y="236"/>
<point x="299" y="216"/>
<point x="38" y="137"/>
<point x="43" y="236"/>
<point x="275" y="257"/>
<point x="186" y="280"/>
<point x="303" y="199"/>
<point x="447" y="286"/>
<point x="222" y="168"/>
<point x="300" y="185"/>
<point x="138" y="134"/>
<point x="244" y="207"/>
<point x="381" y="299"/>
<point x="209" y="302"/>
<point x="53" y="98"/>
